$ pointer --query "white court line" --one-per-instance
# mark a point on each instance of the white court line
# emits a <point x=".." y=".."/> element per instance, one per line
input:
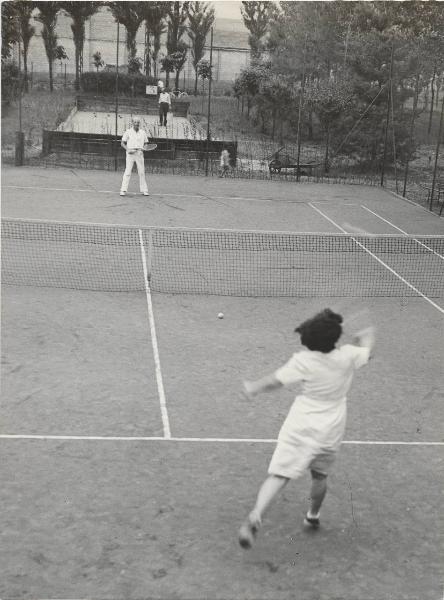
<point x="97" y="438"/>
<point x="164" y="195"/>
<point x="401" y="230"/>
<point x="429" y="212"/>
<point x="332" y="203"/>
<point x="160" y="388"/>
<point x="407" y="283"/>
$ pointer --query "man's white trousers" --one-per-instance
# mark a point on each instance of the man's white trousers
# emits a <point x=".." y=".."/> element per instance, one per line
<point x="137" y="158"/>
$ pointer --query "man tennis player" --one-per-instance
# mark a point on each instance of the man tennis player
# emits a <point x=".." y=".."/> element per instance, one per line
<point x="313" y="430"/>
<point x="134" y="141"/>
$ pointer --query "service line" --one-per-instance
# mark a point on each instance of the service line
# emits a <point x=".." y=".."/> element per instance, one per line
<point x="402" y="231"/>
<point x="407" y="283"/>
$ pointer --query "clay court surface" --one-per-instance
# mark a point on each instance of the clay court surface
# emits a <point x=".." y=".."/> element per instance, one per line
<point x="105" y="123"/>
<point x="129" y="458"/>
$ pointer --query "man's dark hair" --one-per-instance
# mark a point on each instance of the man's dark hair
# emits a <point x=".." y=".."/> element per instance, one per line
<point x="321" y="332"/>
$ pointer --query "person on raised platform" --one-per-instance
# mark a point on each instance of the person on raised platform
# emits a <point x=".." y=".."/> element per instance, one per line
<point x="164" y="106"/>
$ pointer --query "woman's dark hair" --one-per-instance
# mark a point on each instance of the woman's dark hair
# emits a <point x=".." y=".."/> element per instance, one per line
<point x="321" y="332"/>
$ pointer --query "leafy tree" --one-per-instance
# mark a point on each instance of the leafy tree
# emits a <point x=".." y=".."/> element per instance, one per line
<point x="204" y="72"/>
<point x="249" y="82"/>
<point x="24" y="13"/>
<point x="10" y="79"/>
<point x="130" y="14"/>
<point x="97" y="60"/>
<point x="204" y="69"/>
<point x="60" y="54"/>
<point x="330" y="99"/>
<point x="177" y="16"/>
<point x="155" y="13"/>
<point x="98" y="63"/>
<point x="10" y="29"/>
<point x="48" y="12"/>
<point x="179" y="57"/>
<point x="167" y="65"/>
<point x="257" y="17"/>
<point x="201" y="19"/>
<point x="276" y="102"/>
<point x="79" y="12"/>
<point x="135" y="65"/>
<point x="344" y="49"/>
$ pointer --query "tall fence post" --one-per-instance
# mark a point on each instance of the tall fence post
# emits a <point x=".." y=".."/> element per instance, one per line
<point x="209" y="102"/>
<point x="438" y="143"/>
<point x="116" y="157"/>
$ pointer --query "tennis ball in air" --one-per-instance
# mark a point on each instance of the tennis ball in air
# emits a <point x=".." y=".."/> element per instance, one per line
<point x="220" y="316"/>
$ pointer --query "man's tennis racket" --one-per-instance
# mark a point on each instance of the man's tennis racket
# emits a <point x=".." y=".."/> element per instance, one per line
<point x="146" y="148"/>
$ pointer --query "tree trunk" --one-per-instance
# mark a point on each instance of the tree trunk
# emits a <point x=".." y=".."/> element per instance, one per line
<point x="310" y="125"/>
<point x="176" y="83"/>
<point x="51" y="84"/>
<point x="147" y="52"/>
<point x="327" y="143"/>
<point x="77" y="59"/>
<point x="25" y="68"/>
<point x="167" y="79"/>
<point x="432" y="100"/>
<point x="195" y="83"/>
<point x="273" y="129"/>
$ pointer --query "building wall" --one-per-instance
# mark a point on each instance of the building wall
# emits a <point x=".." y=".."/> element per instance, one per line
<point x="101" y="35"/>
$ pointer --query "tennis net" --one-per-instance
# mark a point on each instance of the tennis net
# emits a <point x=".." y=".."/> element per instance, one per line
<point x="222" y="262"/>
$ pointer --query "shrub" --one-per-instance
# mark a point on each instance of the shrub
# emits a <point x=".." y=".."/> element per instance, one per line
<point x="10" y="78"/>
<point x="104" y="83"/>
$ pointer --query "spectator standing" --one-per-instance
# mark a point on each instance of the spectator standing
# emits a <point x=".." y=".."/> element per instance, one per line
<point x="164" y="106"/>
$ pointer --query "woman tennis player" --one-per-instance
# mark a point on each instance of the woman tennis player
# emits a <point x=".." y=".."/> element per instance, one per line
<point x="313" y="430"/>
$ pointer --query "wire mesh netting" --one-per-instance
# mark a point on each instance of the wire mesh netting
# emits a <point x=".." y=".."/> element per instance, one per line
<point x="223" y="262"/>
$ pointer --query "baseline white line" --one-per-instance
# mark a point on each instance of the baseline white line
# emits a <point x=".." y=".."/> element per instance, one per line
<point x="407" y="283"/>
<point x="160" y="388"/>
<point x="199" y="196"/>
<point x="95" y="438"/>
<point x="401" y="230"/>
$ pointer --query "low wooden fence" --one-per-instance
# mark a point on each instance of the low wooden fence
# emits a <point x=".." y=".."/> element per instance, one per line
<point x="69" y="142"/>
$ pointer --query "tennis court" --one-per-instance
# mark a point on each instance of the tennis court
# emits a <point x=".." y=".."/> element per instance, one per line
<point x="129" y="457"/>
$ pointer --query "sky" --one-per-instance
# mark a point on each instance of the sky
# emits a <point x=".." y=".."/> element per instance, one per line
<point x="227" y="9"/>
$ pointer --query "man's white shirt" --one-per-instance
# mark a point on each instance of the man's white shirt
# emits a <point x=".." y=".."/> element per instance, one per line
<point x="164" y="97"/>
<point x="135" y="139"/>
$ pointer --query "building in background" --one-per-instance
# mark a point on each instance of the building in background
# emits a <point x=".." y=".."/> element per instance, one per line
<point x="231" y="51"/>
